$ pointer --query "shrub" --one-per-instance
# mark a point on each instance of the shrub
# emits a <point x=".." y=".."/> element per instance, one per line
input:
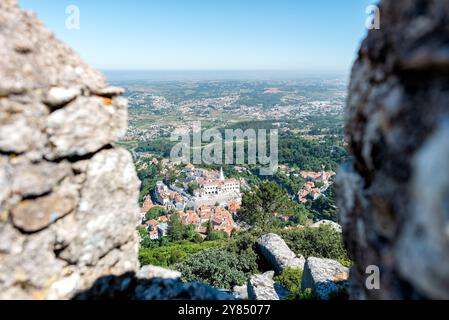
<point x="154" y="213"/>
<point x="216" y="267"/>
<point x="142" y="232"/>
<point x="345" y="262"/>
<point x="216" y="235"/>
<point x="243" y="245"/>
<point x="322" y="242"/>
<point x="170" y="254"/>
<point x="291" y="280"/>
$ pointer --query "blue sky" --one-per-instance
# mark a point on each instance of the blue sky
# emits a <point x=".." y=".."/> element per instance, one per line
<point x="315" y="35"/>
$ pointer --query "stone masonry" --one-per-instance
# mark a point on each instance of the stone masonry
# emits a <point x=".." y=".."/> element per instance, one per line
<point x="68" y="199"/>
<point x="393" y="197"/>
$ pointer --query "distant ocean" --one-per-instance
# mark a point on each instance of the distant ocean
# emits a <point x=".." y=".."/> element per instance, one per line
<point x="133" y="75"/>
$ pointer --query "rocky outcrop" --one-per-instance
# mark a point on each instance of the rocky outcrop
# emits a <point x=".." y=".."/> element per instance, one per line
<point x="324" y="277"/>
<point x="278" y="254"/>
<point x="335" y="226"/>
<point x="130" y="287"/>
<point x="147" y="272"/>
<point x="240" y="292"/>
<point x="393" y="197"/>
<point x="263" y="287"/>
<point x="68" y="199"/>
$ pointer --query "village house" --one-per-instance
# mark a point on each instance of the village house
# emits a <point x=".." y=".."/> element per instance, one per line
<point x="147" y="204"/>
<point x="233" y="207"/>
<point x="153" y="234"/>
<point x="151" y="224"/>
<point x="190" y="217"/>
<point x="222" y="220"/>
<point x="162" y="229"/>
<point x="218" y="186"/>
<point x="309" y="190"/>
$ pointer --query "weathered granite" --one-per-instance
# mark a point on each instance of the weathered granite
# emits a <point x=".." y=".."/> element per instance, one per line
<point x="393" y="195"/>
<point x="335" y="226"/>
<point x="324" y="276"/>
<point x="32" y="215"/>
<point x="85" y="125"/>
<point x="68" y="200"/>
<point x="33" y="60"/>
<point x="149" y="271"/>
<point x="262" y="287"/>
<point x="278" y="254"/>
<point x="22" y="126"/>
<point x="129" y="287"/>
<point x="240" y="292"/>
<point x="57" y="97"/>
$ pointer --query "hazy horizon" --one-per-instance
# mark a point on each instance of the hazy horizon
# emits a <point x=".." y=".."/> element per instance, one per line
<point x="223" y="75"/>
<point x="210" y="35"/>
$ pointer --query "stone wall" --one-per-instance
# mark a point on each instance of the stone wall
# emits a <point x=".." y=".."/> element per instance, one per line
<point x="68" y="199"/>
<point x="393" y="197"/>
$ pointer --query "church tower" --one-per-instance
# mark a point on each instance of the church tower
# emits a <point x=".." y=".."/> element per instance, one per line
<point x="222" y="177"/>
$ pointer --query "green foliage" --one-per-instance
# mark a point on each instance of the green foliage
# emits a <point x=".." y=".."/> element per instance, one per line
<point x="197" y="238"/>
<point x="188" y="232"/>
<point x="178" y="231"/>
<point x="260" y="205"/>
<point x="142" y="231"/>
<point x="160" y="147"/>
<point x="290" y="183"/>
<point x="244" y="245"/>
<point x="324" y="207"/>
<point x="149" y="177"/>
<point x="299" y="214"/>
<point x="175" y="230"/>
<point x="311" y="154"/>
<point x="291" y="280"/>
<point x="192" y="186"/>
<point x="308" y="294"/>
<point x="345" y="262"/>
<point x="154" y="213"/>
<point x="216" y="235"/>
<point x="322" y="242"/>
<point x="216" y="267"/>
<point x="172" y="253"/>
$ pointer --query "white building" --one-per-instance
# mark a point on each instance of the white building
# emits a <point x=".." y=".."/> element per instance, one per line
<point x="219" y="186"/>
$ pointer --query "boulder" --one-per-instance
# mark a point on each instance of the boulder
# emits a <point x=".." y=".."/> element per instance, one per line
<point x="335" y="226"/>
<point x="240" y="292"/>
<point x="262" y="287"/>
<point x="324" y="276"/>
<point x="278" y="254"/>
<point x="147" y="272"/>
<point x="129" y="287"/>
<point x="393" y="194"/>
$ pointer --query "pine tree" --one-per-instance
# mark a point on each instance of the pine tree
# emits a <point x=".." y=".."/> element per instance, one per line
<point x="260" y="206"/>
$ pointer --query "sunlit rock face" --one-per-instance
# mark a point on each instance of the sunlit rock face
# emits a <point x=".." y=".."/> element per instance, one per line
<point x="276" y="252"/>
<point x="68" y="199"/>
<point x="324" y="277"/>
<point x="393" y="197"/>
